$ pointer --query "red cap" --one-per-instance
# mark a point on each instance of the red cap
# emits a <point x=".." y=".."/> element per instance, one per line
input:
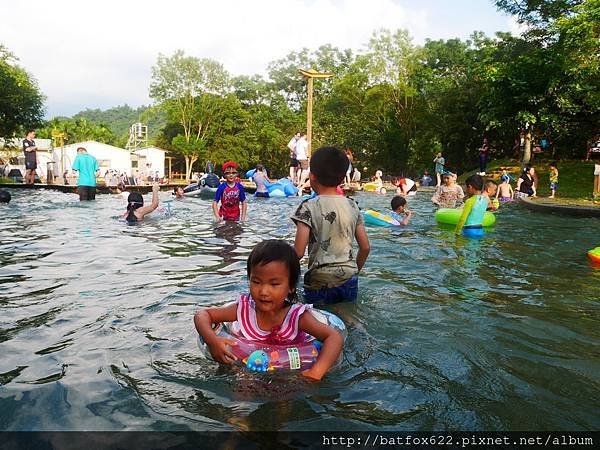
<point x="229" y="164"/>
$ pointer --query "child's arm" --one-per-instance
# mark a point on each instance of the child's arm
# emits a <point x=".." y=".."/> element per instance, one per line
<point x="217" y="345"/>
<point x="302" y="235"/>
<point x="330" y="350"/>
<point x="407" y="218"/>
<point x="466" y="211"/>
<point x="215" y="208"/>
<point x="152" y="206"/>
<point x="364" y="247"/>
<point x="244" y="209"/>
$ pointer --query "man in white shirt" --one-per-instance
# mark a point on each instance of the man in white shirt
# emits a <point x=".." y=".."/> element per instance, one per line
<point x="302" y="157"/>
<point x="293" y="161"/>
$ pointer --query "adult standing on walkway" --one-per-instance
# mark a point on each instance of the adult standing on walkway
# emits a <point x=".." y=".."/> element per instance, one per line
<point x="293" y="160"/>
<point x="30" y="150"/>
<point x="87" y="166"/>
<point x="302" y="157"/>
<point x="483" y="156"/>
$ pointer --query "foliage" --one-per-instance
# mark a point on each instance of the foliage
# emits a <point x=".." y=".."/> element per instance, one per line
<point x="76" y="130"/>
<point x="21" y="102"/>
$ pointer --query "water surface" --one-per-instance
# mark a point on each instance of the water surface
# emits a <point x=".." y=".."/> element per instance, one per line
<point x="96" y="327"/>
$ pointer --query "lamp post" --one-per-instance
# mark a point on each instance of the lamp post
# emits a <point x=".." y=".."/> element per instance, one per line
<point x="310" y="75"/>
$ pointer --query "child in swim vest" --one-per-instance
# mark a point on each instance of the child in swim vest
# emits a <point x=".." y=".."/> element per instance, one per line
<point x="270" y="313"/>
<point x="135" y="205"/>
<point x="471" y="220"/>
<point x="399" y="208"/>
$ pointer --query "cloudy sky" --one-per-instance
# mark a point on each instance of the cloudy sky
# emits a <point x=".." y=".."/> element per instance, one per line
<point x="99" y="54"/>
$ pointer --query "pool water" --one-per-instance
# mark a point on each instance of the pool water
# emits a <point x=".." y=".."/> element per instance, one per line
<point x="96" y="327"/>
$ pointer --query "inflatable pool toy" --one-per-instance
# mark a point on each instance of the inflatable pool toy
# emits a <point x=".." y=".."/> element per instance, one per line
<point x="370" y="187"/>
<point x="594" y="254"/>
<point x="262" y="357"/>
<point x="380" y="220"/>
<point x="281" y="188"/>
<point x="495" y="203"/>
<point x="206" y="185"/>
<point x="451" y="216"/>
<point x="250" y="173"/>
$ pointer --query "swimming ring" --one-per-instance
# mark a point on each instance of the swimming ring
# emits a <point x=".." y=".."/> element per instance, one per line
<point x="370" y="187"/>
<point x="451" y="216"/>
<point x="262" y="357"/>
<point x="594" y="254"/>
<point x="380" y="220"/>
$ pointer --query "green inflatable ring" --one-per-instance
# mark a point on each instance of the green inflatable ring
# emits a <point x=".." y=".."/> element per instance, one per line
<point x="451" y="216"/>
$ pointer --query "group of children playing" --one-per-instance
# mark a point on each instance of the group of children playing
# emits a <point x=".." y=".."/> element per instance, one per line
<point x="327" y="224"/>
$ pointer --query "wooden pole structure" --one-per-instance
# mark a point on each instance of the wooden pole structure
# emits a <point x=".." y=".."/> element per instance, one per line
<point x="169" y="158"/>
<point x="310" y="75"/>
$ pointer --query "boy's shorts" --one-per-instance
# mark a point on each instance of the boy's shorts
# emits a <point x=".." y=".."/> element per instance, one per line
<point x="553" y="186"/>
<point x="347" y="292"/>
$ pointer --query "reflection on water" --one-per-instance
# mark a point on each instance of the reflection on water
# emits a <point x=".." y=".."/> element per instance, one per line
<point x="96" y="327"/>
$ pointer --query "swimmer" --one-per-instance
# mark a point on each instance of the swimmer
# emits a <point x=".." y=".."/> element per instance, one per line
<point x="489" y="189"/>
<point x="379" y="183"/>
<point x="471" y="220"/>
<point x="399" y="208"/>
<point x="505" y="191"/>
<point x="178" y="192"/>
<point x="273" y="269"/>
<point x="4" y="196"/>
<point x="135" y="205"/>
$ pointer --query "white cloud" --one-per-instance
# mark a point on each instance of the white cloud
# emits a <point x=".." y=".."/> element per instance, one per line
<point x="100" y="54"/>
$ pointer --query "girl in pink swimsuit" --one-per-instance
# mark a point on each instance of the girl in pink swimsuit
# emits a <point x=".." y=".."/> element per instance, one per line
<point x="270" y="314"/>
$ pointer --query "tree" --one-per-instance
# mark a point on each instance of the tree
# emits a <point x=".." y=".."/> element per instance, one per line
<point x="179" y="85"/>
<point x="21" y="102"/>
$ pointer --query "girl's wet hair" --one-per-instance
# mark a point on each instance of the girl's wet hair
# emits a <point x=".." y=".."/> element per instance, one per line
<point x="276" y="250"/>
<point x="134" y="201"/>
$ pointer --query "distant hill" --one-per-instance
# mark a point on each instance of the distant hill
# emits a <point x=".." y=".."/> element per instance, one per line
<point x="120" y="118"/>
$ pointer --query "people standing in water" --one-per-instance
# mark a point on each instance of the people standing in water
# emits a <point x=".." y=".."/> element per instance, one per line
<point x="271" y="313"/>
<point x="328" y="224"/>
<point x="440" y="162"/>
<point x="553" y="178"/>
<point x="348" y="178"/>
<point x="87" y="166"/>
<point x="471" y="220"/>
<point x="260" y="178"/>
<point x="293" y="159"/>
<point x="505" y="191"/>
<point x="449" y="194"/>
<point x="489" y="190"/>
<point x="302" y="157"/>
<point x="399" y="210"/>
<point x="230" y="194"/>
<point x="136" y="211"/>
<point x="526" y="183"/>
<point x="30" y="151"/>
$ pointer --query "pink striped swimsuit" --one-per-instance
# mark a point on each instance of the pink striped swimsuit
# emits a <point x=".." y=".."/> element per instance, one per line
<point x="287" y="333"/>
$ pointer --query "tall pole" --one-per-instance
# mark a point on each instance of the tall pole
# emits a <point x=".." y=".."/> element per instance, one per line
<point x="309" y="107"/>
<point x="310" y="75"/>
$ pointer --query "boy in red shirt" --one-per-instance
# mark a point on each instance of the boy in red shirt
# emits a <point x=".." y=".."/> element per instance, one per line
<point x="230" y="193"/>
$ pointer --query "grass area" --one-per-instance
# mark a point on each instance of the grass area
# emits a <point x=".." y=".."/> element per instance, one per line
<point x="575" y="178"/>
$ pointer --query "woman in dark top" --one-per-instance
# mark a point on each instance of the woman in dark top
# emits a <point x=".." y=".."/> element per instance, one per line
<point x="483" y="155"/>
<point x="526" y="182"/>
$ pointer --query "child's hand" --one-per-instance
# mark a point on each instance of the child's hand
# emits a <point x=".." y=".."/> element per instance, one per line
<point x="408" y="213"/>
<point x="312" y="375"/>
<point x="220" y="352"/>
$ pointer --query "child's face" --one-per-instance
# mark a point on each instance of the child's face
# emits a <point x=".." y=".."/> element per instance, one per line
<point x="230" y="174"/>
<point x="179" y="192"/>
<point x="490" y="190"/>
<point x="399" y="210"/>
<point x="448" y="180"/>
<point x="270" y="286"/>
